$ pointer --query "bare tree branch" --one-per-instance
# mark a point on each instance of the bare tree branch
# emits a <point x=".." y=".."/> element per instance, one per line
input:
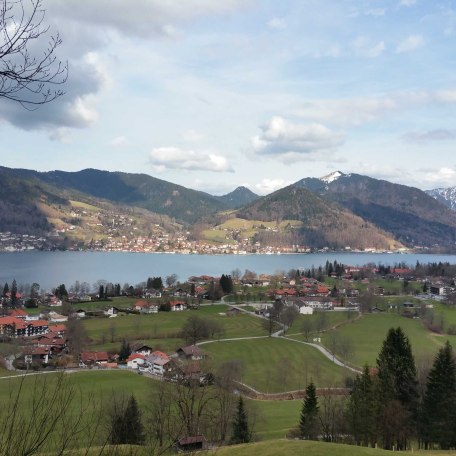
<point x="28" y="79"/>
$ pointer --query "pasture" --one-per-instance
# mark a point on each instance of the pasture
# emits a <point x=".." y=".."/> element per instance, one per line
<point x="167" y="325"/>
<point x="272" y="365"/>
<point x="368" y="333"/>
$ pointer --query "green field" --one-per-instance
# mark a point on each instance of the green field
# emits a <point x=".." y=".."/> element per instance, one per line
<point x="166" y="325"/>
<point x="368" y="333"/>
<point x="273" y="419"/>
<point x="273" y="365"/>
<point x="309" y="448"/>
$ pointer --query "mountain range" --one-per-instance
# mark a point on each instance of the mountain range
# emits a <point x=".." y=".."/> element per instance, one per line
<point x="336" y="211"/>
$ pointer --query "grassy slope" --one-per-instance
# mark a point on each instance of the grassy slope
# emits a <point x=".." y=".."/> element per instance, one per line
<point x="369" y="332"/>
<point x="168" y="324"/>
<point x="298" y="448"/>
<point x="274" y="365"/>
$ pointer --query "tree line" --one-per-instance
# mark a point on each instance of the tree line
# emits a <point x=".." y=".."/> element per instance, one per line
<point x="386" y="407"/>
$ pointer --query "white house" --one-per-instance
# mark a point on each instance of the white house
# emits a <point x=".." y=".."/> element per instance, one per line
<point x="135" y="360"/>
<point x="306" y="310"/>
<point x="111" y="312"/>
<point x="54" y="317"/>
<point x="159" y="363"/>
<point x="146" y="307"/>
<point x="177" y="306"/>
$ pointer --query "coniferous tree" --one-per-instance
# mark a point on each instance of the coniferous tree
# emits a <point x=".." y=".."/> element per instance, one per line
<point x="308" y="421"/>
<point x="14" y="293"/>
<point x="126" y="426"/>
<point x="5" y="289"/>
<point x="361" y="406"/>
<point x="438" y="414"/>
<point x="241" y="431"/>
<point x="397" y="392"/>
<point x="125" y="350"/>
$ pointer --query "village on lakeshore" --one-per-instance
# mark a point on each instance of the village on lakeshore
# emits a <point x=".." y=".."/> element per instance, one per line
<point x="46" y="328"/>
<point x="166" y="243"/>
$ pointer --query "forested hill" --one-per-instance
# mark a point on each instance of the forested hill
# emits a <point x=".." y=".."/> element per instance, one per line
<point x="412" y="216"/>
<point x="323" y="224"/>
<point x="140" y="190"/>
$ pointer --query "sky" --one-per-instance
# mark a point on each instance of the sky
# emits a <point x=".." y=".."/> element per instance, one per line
<point x="214" y="94"/>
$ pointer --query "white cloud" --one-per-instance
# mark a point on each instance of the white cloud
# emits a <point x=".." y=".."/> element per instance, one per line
<point x="357" y="111"/>
<point x="292" y="141"/>
<point x="424" y="137"/>
<point x="119" y="141"/>
<point x="267" y="186"/>
<point x="364" y="47"/>
<point x="407" y="2"/>
<point x="163" y="158"/>
<point x="442" y="177"/>
<point x="411" y="43"/>
<point x="277" y="23"/>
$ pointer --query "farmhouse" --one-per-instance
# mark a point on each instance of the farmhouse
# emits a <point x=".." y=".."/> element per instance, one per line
<point x="146" y="307"/>
<point x="177" y="306"/>
<point x="190" y="352"/>
<point x="135" y="360"/>
<point x="87" y="359"/>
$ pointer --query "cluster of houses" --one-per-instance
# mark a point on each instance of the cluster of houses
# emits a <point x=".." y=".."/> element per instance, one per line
<point x="183" y="364"/>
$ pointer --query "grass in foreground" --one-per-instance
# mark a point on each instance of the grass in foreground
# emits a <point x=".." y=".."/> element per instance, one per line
<point x="309" y="448"/>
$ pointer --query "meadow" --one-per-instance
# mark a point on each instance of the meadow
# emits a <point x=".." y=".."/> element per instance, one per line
<point x="272" y="365"/>
<point x="164" y="327"/>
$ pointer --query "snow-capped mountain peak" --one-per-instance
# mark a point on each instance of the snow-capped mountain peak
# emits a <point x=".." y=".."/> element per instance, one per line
<point x="332" y="177"/>
<point x="446" y="196"/>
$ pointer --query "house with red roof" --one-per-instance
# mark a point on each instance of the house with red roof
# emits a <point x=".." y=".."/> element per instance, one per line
<point x="17" y="327"/>
<point x="160" y="364"/>
<point x="18" y="313"/>
<point x="146" y="307"/>
<point x="87" y="359"/>
<point x="135" y="360"/>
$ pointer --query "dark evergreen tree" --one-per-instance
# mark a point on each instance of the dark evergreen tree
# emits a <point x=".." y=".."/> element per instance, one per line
<point x="5" y="289"/>
<point x="361" y="406"/>
<point x="101" y="292"/>
<point x="125" y="350"/>
<point x="157" y="283"/>
<point x="241" y="431"/>
<point x="308" y="421"/>
<point x="61" y="292"/>
<point x="438" y="414"/>
<point x="397" y="392"/>
<point x="13" y="299"/>
<point x="126" y="426"/>
<point x="226" y="283"/>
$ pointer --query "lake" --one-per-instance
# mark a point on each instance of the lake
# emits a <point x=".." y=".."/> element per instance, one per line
<point x="50" y="269"/>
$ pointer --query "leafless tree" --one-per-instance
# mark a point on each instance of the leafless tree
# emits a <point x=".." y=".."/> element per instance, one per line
<point x="76" y="335"/>
<point x="26" y="78"/>
<point x="307" y="326"/>
<point x="171" y="280"/>
<point x="48" y="415"/>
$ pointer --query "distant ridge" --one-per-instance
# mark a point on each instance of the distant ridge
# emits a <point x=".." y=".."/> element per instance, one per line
<point x="238" y="197"/>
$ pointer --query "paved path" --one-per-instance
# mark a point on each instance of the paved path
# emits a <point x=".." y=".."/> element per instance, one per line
<point x="326" y="353"/>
